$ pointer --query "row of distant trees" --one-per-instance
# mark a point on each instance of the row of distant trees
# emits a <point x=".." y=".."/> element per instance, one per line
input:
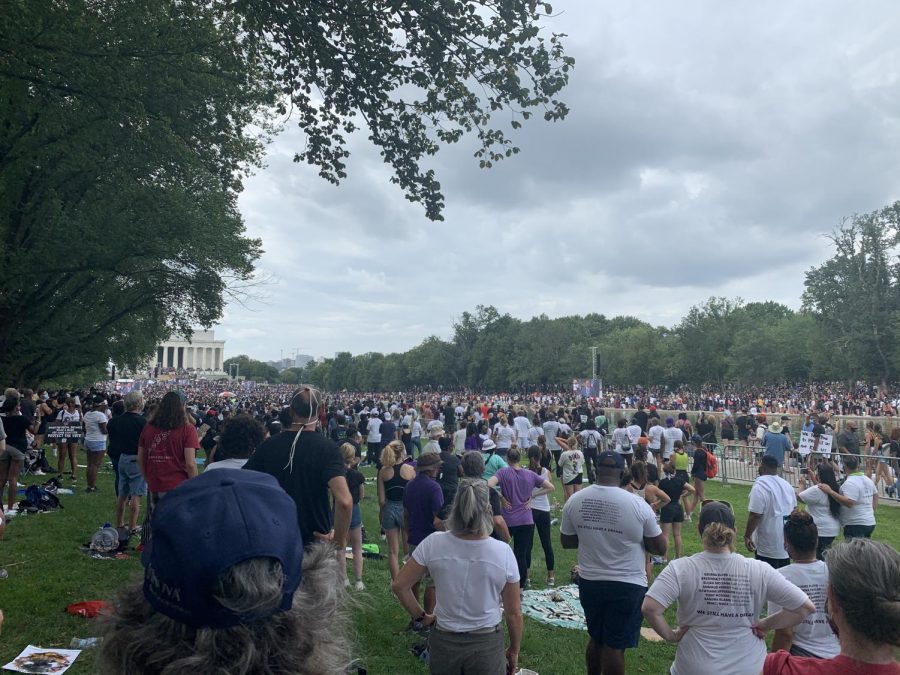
<point x="847" y="329"/>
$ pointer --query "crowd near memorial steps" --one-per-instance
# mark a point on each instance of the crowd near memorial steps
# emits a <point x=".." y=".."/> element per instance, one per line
<point x="396" y="532"/>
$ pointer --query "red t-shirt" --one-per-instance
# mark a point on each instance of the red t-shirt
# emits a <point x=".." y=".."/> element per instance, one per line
<point x="164" y="464"/>
<point x="782" y="663"/>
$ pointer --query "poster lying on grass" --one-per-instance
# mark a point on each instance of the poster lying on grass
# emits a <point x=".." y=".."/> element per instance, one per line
<point x="41" y="661"/>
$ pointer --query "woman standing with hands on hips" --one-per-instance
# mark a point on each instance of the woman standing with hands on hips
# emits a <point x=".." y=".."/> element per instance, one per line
<point x="472" y="575"/>
<point x="517" y="485"/>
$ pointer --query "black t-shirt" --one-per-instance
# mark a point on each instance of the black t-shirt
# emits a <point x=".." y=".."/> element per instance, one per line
<point x="496" y="509"/>
<point x="388" y="431"/>
<point x="339" y="434"/>
<point x="449" y="478"/>
<point x="28" y="409"/>
<point x="15" y="427"/>
<point x="641" y="417"/>
<point x="316" y="461"/>
<point x="673" y="486"/>
<point x="354" y="480"/>
<point x="124" y="433"/>
<point x="699" y="468"/>
<point x="743" y="427"/>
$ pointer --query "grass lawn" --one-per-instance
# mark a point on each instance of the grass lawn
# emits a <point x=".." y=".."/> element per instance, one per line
<point x="47" y="572"/>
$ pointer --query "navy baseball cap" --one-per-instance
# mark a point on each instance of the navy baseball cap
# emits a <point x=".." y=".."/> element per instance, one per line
<point x="611" y="460"/>
<point x="207" y="525"/>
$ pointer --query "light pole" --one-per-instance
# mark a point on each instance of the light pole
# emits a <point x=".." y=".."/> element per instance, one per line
<point x="594" y="370"/>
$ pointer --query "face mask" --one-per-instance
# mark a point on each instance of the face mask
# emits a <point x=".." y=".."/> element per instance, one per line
<point x="831" y="623"/>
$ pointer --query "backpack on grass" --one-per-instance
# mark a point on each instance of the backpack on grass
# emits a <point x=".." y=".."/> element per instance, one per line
<point x="41" y="499"/>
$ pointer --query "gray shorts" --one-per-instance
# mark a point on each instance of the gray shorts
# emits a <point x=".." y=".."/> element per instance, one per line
<point x="12" y="453"/>
<point x="130" y="481"/>
<point x="392" y="515"/>
<point x="470" y="653"/>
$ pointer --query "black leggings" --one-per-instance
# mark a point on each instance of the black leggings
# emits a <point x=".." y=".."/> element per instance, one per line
<point x="556" y="455"/>
<point x="542" y="525"/>
<point x="823" y="545"/>
<point x="522" y="540"/>
<point x="590" y="459"/>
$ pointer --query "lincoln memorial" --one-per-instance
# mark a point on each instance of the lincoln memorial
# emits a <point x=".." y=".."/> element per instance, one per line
<point x="201" y="352"/>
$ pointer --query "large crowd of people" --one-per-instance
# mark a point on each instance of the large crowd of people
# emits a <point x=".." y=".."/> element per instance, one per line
<point x="462" y="484"/>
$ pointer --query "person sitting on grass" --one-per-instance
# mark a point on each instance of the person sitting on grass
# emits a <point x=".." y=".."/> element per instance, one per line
<point x="228" y="588"/>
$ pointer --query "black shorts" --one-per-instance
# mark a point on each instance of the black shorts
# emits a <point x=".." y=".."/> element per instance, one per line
<point x="777" y="563"/>
<point x="576" y="481"/>
<point x="701" y="476"/>
<point x="671" y="513"/>
<point x="727" y="437"/>
<point x="612" y="612"/>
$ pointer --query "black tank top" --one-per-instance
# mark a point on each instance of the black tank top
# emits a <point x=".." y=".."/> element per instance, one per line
<point x="396" y="486"/>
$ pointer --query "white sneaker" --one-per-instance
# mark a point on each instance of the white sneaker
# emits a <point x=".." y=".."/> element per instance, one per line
<point x="346" y="582"/>
<point x="360" y="586"/>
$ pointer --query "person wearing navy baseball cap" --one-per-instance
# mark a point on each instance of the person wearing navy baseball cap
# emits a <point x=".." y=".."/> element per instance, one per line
<point x="227" y="587"/>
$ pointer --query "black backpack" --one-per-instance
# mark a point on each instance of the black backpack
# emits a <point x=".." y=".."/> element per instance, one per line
<point x="40" y="499"/>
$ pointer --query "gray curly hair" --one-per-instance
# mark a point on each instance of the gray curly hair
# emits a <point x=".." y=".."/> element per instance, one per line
<point x="311" y="637"/>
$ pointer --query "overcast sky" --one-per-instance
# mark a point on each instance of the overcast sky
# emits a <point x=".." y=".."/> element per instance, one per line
<point x="708" y="148"/>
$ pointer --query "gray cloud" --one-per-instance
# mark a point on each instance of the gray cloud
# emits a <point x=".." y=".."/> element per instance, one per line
<point x="707" y="148"/>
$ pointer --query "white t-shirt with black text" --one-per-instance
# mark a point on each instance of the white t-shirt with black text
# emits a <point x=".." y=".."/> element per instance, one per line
<point x="720" y="596"/>
<point x="611" y="525"/>
<point x="813" y="633"/>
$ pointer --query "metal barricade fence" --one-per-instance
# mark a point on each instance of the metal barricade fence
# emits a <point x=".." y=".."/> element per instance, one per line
<point x="740" y="464"/>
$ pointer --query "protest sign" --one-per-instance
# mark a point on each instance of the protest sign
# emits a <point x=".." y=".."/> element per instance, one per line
<point x="63" y="432"/>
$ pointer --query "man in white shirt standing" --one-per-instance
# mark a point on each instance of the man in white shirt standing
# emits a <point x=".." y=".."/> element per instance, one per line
<point x="655" y="434"/>
<point x="670" y="435"/>
<point x="634" y="436"/>
<point x="771" y="501"/>
<point x="373" y="439"/>
<point x="612" y="530"/>
<point x="522" y="425"/>
<point x="858" y="498"/>
<point x="459" y="440"/>
<point x="551" y="431"/>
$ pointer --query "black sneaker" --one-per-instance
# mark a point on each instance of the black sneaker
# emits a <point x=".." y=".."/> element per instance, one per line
<point x="92" y="489"/>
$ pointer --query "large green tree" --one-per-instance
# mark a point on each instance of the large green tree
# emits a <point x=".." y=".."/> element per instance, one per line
<point x="413" y="75"/>
<point x="126" y="132"/>
<point x="856" y="295"/>
<point x="128" y="129"/>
